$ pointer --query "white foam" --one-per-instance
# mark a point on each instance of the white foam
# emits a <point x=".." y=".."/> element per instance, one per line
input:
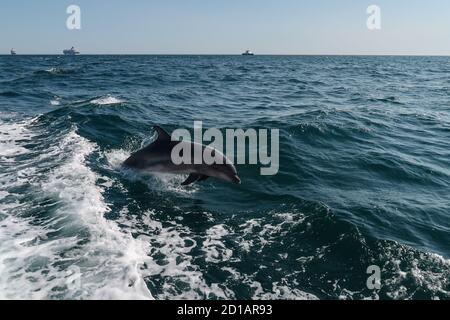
<point x="10" y="135"/>
<point x="37" y="264"/>
<point x="172" y="244"/>
<point x="116" y="157"/>
<point x="415" y="269"/>
<point x="172" y="182"/>
<point x="108" y="100"/>
<point x="55" y="101"/>
<point x="283" y="292"/>
<point x="111" y="264"/>
<point x="3" y="194"/>
<point x="91" y="257"/>
<point x="22" y="252"/>
<point x="277" y="292"/>
<point x="257" y="233"/>
<point x="75" y="184"/>
<point x="215" y="250"/>
<point x="52" y="70"/>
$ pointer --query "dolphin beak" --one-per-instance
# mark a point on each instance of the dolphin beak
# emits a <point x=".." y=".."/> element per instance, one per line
<point x="236" y="179"/>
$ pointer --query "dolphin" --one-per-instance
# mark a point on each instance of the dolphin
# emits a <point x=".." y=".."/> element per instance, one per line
<point x="157" y="158"/>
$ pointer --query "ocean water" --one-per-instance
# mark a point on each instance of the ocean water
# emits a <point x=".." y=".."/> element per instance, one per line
<point x="364" y="179"/>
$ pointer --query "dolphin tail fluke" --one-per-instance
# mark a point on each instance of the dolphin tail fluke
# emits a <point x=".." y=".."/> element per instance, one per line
<point x="194" y="177"/>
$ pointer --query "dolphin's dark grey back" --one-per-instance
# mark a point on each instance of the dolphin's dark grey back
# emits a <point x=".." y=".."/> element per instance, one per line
<point x="162" y="144"/>
<point x="158" y="157"/>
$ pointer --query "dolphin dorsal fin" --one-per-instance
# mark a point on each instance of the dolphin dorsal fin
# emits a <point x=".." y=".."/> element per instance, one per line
<point x="162" y="134"/>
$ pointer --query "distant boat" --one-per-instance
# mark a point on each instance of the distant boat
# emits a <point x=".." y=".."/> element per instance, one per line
<point x="71" y="52"/>
<point x="13" y="52"/>
<point x="248" y="53"/>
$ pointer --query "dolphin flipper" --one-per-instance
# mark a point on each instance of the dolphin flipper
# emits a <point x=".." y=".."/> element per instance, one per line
<point x="194" y="177"/>
<point x="191" y="179"/>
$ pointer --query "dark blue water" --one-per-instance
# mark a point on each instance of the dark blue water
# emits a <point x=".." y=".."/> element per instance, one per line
<point x="364" y="178"/>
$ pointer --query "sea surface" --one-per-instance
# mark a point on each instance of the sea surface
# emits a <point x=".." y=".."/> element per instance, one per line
<point x="364" y="179"/>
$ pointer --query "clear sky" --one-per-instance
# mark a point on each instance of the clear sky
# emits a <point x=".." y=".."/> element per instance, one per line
<point x="227" y="26"/>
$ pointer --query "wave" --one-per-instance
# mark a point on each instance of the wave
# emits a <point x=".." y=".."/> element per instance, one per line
<point x="387" y="100"/>
<point x="74" y="252"/>
<point x="412" y="274"/>
<point x="60" y="243"/>
<point x="10" y="94"/>
<point x="56" y="71"/>
<point x="177" y="267"/>
<point x="362" y="181"/>
<point x="107" y="100"/>
<point x="56" y="101"/>
<point x="11" y="133"/>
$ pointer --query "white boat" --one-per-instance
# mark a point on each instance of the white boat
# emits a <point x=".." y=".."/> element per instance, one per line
<point x="71" y="52"/>
<point x="248" y="53"/>
<point x="13" y="52"/>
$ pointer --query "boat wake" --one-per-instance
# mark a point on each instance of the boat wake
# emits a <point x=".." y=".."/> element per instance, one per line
<point x="60" y="245"/>
<point x="107" y="100"/>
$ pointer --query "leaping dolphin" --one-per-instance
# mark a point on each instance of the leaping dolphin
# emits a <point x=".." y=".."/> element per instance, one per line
<point x="157" y="157"/>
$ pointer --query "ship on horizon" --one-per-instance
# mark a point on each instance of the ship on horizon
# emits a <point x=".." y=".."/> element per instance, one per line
<point x="13" y="52"/>
<point x="248" y="53"/>
<point x="71" y="52"/>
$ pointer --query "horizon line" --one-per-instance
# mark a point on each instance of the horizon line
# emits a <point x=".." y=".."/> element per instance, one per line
<point x="236" y="54"/>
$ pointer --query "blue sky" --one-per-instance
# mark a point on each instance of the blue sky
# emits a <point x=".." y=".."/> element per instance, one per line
<point x="227" y="26"/>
